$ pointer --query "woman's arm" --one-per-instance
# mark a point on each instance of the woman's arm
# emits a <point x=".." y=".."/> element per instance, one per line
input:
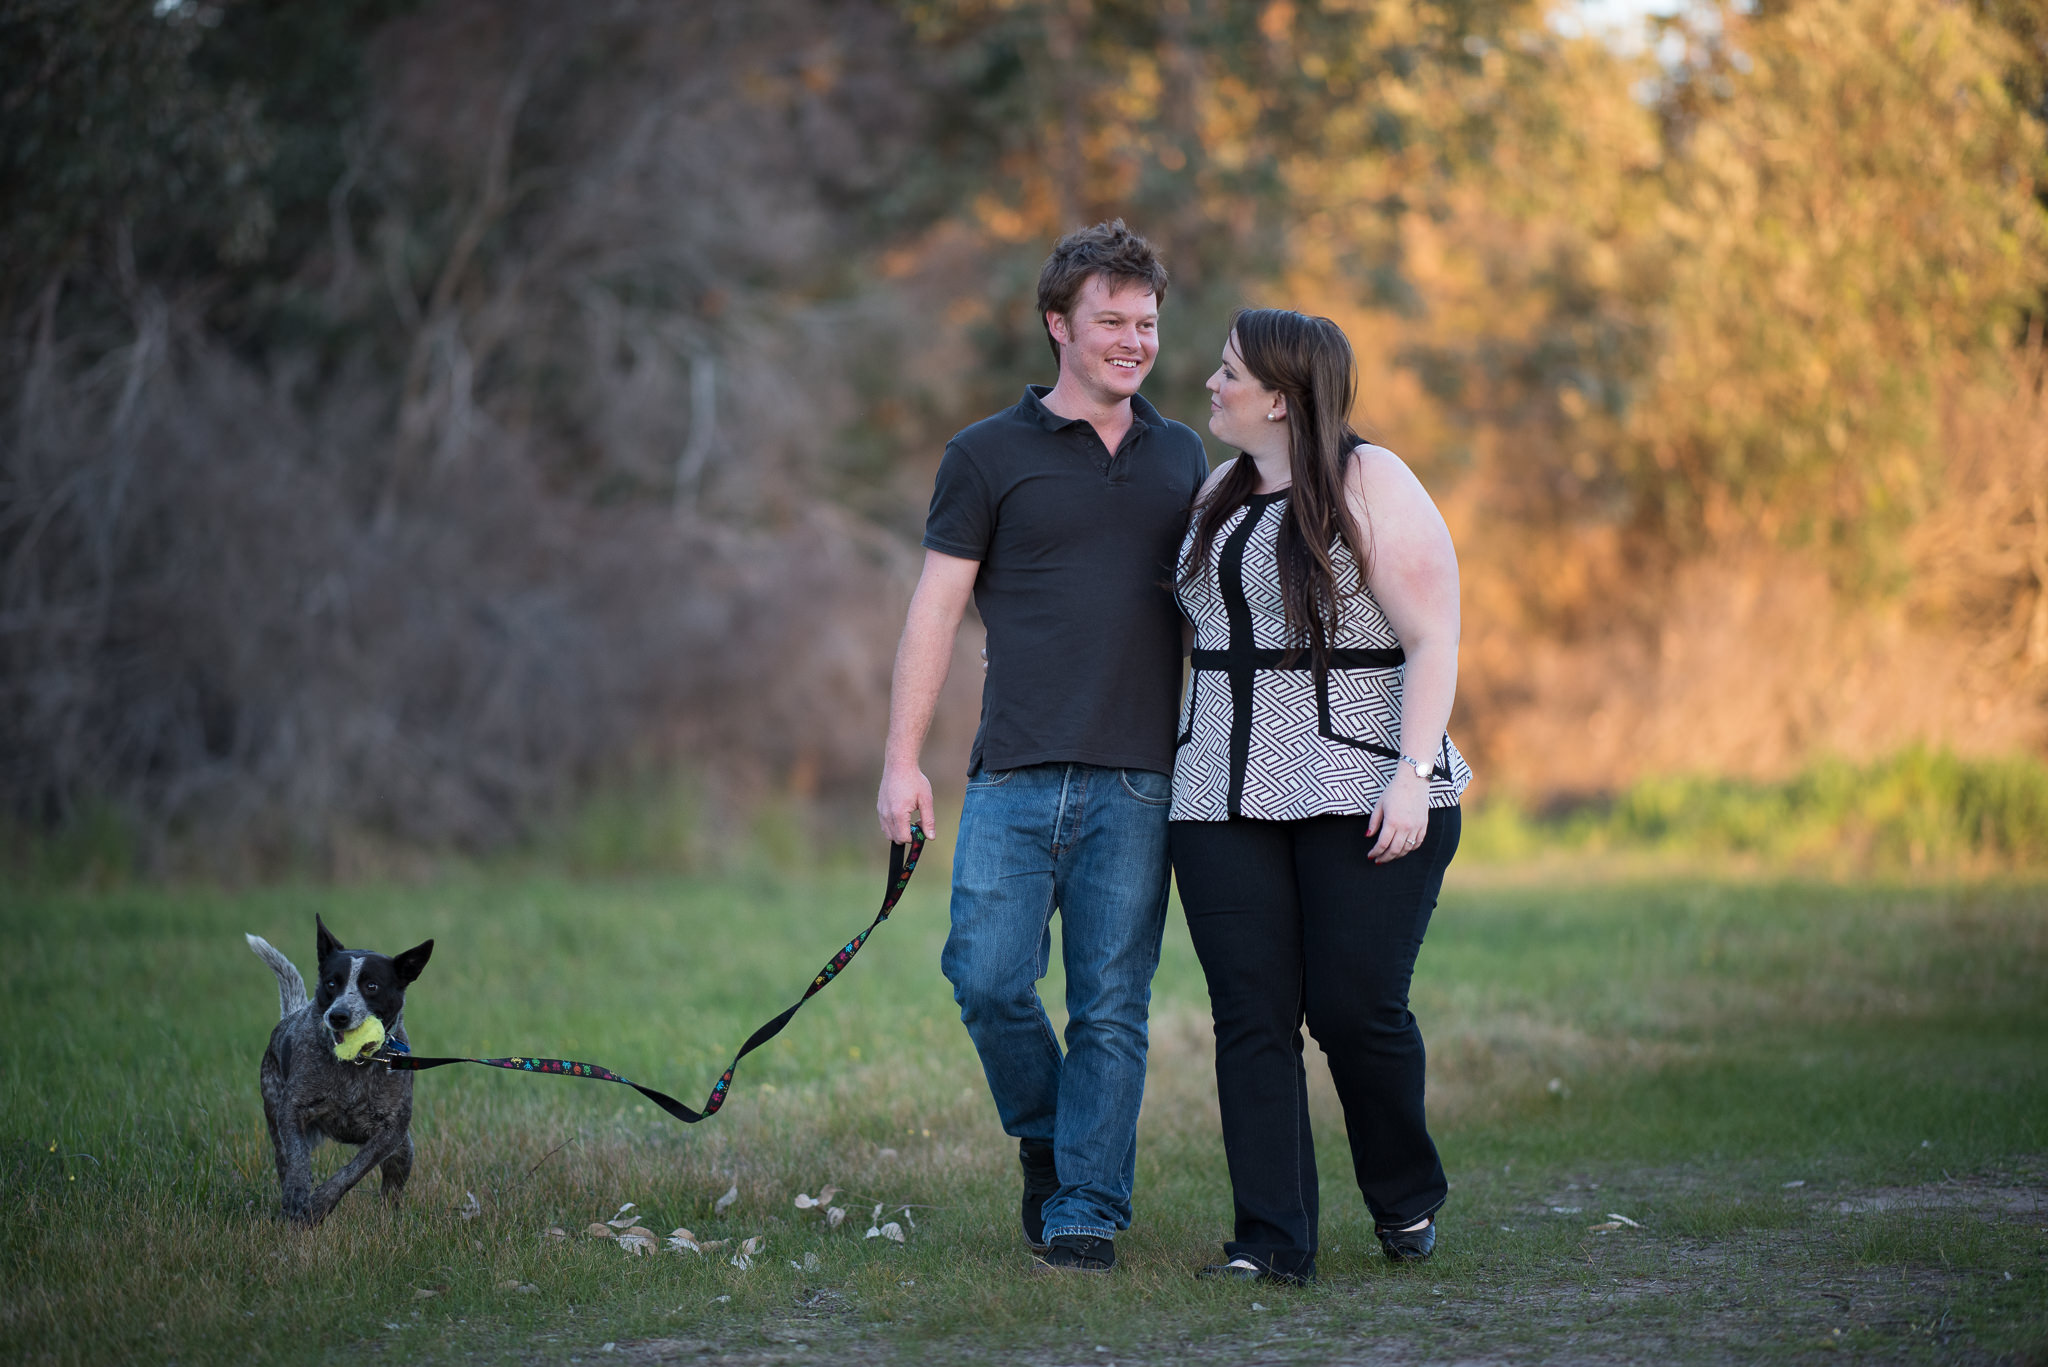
<point x="1414" y="575"/>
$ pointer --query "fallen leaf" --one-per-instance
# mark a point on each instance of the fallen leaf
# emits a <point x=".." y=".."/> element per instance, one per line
<point x="556" y="1232"/>
<point x="424" y="1294"/>
<point x="724" y="1203"/>
<point x="1607" y="1228"/>
<point x="471" y="1207"/>
<point x="1800" y="1183"/>
<point x="906" y="1218"/>
<point x="713" y="1245"/>
<point x="639" y="1231"/>
<point x="601" y="1231"/>
<point x="1624" y="1219"/>
<point x="636" y="1243"/>
<point x="1257" y="1306"/>
<point x="744" y="1262"/>
<point x="827" y="1193"/>
<point x="893" y="1232"/>
<point x="1566" y="1210"/>
<point x="872" y="1233"/>
<point x="834" y="1216"/>
<point x="528" y="1289"/>
<point x="681" y="1243"/>
<point x="512" y="1285"/>
<point x="812" y="1264"/>
<point x="622" y="1220"/>
<point x="680" y="1233"/>
<point x="754" y="1244"/>
<point x="804" y="1202"/>
<point x="877" y="1212"/>
<point x="885" y="1153"/>
<point x="720" y="1300"/>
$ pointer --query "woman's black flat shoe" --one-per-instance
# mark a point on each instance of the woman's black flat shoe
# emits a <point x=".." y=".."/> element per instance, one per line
<point x="1244" y="1270"/>
<point x="1240" y="1271"/>
<point x="1408" y="1245"/>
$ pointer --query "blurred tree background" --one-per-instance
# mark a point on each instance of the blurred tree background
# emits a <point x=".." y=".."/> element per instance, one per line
<point x="424" y="415"/>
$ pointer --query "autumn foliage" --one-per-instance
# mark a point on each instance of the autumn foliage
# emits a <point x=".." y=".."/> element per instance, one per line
<point x="420" y="415"/>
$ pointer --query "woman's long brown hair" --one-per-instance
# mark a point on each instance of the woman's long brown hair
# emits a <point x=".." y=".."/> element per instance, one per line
<point x="1309" y="362"/>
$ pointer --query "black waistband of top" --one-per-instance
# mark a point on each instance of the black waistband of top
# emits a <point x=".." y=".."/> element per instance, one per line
<point x="1391" y="658"/>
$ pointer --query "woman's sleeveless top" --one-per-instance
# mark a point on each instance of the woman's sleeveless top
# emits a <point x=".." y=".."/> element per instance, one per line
<point x="1261" y="740"/>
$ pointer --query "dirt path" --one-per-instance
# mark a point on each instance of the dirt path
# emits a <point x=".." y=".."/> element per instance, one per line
<point x="1820" y="1290"/>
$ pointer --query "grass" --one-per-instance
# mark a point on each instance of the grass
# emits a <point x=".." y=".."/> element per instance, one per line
<point x="1824" y="1105"/>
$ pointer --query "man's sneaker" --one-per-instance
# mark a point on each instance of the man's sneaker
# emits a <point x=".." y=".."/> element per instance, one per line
<point x="1079" y="1253"/>
<point x="1041" y="1181"/>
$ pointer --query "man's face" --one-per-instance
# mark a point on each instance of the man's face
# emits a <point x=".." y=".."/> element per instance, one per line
<point x="1109" y="340"/>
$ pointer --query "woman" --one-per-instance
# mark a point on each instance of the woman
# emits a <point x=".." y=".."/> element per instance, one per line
<point x="1315" y="794"/>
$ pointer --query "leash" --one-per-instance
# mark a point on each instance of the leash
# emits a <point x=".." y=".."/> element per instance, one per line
<point x="902" y="863"/>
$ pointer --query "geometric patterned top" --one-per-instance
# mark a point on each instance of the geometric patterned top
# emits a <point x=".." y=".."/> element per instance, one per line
<point x="1266" y="740"/>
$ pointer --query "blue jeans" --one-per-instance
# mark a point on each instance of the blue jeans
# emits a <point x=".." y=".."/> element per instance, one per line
<point x="1091" y="843"/>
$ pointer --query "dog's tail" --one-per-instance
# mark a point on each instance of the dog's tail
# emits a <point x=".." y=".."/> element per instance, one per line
<point x="291" y="988"/>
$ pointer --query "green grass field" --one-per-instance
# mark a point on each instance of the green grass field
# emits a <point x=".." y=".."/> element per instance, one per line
<point x="1824" y="1107"/>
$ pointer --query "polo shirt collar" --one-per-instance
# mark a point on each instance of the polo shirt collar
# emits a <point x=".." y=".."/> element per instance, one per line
<point x="1034" y="404"/>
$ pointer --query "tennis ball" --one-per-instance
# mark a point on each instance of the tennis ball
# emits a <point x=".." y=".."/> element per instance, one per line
<point x="360" y="1043"/>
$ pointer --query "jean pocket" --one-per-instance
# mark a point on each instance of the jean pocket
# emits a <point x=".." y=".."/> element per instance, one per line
<point x="983" y="778"/>
<point x="1149" y="787"/>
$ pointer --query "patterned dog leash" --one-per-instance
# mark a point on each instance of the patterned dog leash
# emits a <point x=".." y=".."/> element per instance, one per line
<point x="902" y="863"/>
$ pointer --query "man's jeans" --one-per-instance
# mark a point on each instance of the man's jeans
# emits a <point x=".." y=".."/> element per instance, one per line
<point x="1090" y="842"/>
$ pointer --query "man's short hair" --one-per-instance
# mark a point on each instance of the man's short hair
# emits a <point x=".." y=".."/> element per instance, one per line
<point x="1107" y="249"/>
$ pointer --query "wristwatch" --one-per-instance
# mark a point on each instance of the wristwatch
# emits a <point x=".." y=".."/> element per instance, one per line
<point x="1425" y="772"/>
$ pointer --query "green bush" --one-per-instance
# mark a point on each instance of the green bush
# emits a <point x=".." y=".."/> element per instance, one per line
<point x="1915" y="809"/>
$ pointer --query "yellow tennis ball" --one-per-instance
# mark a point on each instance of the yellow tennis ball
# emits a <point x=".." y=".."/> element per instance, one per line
<point x="362" y="1042"/>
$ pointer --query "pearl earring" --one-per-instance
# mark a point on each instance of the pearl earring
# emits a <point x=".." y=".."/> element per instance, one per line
<point x="1272" y="417"/>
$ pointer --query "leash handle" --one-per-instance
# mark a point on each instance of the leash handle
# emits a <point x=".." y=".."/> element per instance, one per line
<point x="902" y="863"/>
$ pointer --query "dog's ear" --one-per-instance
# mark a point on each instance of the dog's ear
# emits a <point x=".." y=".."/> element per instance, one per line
<point x="409" y="964"/>
<point x="326" y="944"/>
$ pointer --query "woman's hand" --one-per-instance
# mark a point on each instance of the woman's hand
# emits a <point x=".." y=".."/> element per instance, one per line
<point x="1401" y="817"/>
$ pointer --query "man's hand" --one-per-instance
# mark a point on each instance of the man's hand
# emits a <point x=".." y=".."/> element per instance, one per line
<point x="906" y="796"/>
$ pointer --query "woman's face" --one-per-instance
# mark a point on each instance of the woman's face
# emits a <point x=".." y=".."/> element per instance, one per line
<point x="1238" y="404"/>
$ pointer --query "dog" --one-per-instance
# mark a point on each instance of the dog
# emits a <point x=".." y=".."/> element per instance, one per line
<point x="311" y="1094"/>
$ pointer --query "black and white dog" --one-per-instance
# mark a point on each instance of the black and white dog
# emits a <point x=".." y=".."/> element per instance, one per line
<point x="311" y="1094"/>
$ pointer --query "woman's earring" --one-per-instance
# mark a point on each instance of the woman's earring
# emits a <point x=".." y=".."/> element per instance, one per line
<point x="1272" y="417"/>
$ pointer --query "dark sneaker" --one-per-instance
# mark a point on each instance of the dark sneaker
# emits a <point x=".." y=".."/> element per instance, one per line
<point x="1408" y="1245"/>
<point x="1079" y="1253"/>
<point x="1041" y="1182"/>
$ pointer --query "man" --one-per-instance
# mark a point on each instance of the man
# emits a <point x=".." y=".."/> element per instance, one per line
<point x="1063" y="517"/>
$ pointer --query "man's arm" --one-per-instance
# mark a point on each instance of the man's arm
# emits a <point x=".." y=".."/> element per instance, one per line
<point x="921" y="660"/>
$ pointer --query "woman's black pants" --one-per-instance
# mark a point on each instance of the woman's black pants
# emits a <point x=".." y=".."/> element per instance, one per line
<point x="1293" y="923"/>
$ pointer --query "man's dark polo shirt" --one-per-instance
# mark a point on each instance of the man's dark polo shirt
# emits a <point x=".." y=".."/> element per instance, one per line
<point x="1077" y="552"/>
